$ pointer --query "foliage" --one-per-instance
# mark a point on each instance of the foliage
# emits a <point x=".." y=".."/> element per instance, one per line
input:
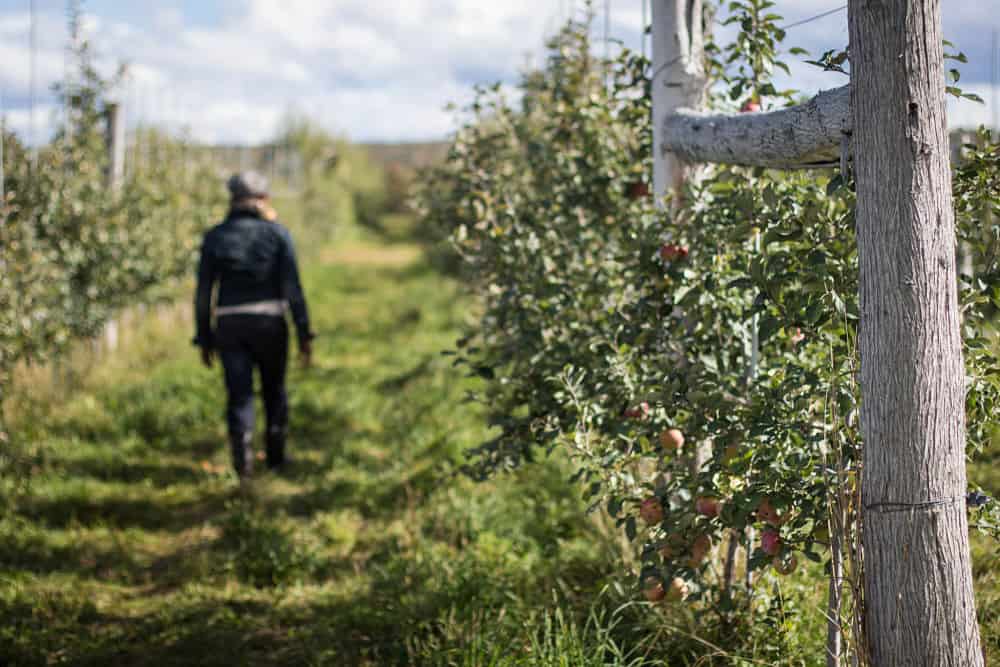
<point x="73" y="252"/>
<point x="729" y="314"/>
<point x="133" y="546"/>
<point x="340" y="186"/>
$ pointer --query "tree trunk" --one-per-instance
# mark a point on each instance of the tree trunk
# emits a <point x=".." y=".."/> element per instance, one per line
<point x="918" y="581"/>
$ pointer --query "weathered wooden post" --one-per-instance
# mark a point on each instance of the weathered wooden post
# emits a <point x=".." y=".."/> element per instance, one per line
<point x="115" y="119"/>
<point x="115" y="133"/>
<point x="3" y="134"/>
<point x="919" y="602"/>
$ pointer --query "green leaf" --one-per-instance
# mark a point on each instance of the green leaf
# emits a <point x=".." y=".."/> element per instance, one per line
<point x="767" y="327"/>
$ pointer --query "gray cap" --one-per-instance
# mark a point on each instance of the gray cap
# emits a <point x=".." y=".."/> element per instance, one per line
<point x="248" y="185"/>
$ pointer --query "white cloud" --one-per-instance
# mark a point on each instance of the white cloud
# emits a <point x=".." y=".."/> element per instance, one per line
<point x="967" y="114"/>
<point x="373" y="70"/>
<point x="20" y="121"/>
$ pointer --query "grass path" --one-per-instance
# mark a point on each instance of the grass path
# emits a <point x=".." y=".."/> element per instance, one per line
<point x="133" y="547"/>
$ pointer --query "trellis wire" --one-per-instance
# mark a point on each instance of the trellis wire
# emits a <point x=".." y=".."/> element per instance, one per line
<point x="814" y="18"/>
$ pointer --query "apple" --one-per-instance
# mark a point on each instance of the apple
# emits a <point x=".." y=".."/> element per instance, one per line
<point x="640" y="411"/>
<point x="652" y="589"/>
<point x="651" y="510"/>
<point x="707" y="506"/>
<point x="670" y="252"/>
<point x="750" y="106"/>
<point x="770" y="542"/>
<point x="699" y="549"/>
<point x="638" y="190"/>
<point x="785" y="566"/>
<point x="672" y="439"/>
<point x="678" y="589"/>
<point x="767" y="513"/>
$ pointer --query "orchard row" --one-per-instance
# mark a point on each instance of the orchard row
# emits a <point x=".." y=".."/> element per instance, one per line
<point x="697" y="359"/>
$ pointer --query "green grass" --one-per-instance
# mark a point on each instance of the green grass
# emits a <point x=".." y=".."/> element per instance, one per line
<point x="132" y="545"/>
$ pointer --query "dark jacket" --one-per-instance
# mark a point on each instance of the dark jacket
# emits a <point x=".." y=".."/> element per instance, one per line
<point x="252" y="260"/>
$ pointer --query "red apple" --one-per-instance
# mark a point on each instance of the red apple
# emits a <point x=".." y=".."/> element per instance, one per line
<point x="651" y="510"/>
<point x="707" y="506"/>
<point x="638" y="190"/>
<point x="678" y="589"/>
<point x="640" y="411"/>
<point x="672" y="439"/>
<point x="770" y="542"/>
<point x="785" y="566"/>
<point x="767" y="513"/>
<point x="699" y="549"/>
<point x="670" y="252"/>
<point x="652" y="589"/>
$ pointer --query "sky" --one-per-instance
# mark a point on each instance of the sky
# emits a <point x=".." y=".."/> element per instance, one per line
<point x="230" y="71"/>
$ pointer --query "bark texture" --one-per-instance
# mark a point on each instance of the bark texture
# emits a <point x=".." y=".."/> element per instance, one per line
<point x="919" y="606"/>
<point x="806" y="135"/>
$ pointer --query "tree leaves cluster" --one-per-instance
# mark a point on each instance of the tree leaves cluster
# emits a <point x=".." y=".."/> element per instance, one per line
<point x="730" y="314"/>
<point x="72" y="251"/>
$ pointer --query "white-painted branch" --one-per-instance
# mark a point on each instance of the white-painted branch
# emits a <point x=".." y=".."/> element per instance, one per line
<point x="806" y="135"/>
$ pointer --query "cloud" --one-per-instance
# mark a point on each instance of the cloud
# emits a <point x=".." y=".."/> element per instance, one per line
<point x="966" y="114"/>
<point x="371" y="70"/>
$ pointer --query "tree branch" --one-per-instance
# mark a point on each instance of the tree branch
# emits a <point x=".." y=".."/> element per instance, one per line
<point x="803" y="136"/>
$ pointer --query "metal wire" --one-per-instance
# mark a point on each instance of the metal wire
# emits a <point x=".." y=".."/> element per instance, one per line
<point x="891" y="507"/>
<point x="814" y="18"/>
<point x="817" y="17"/>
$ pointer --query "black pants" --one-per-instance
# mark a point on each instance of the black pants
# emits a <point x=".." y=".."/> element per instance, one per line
<point x="245" y="342"/>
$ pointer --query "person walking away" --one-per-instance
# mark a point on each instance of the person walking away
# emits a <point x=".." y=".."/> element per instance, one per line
<point x="251" y="258"/>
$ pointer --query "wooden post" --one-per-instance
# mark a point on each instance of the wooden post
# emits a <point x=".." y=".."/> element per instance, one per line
<point x="115" y="117"/>
<point x="678" y="80"/>
<point x="115" y="133"/>
<point x="3" y="134"/>
<point x="919" y="603"/>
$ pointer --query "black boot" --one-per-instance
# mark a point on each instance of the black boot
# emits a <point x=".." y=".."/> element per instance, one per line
<point x="240" y="444"/>
<point x="276" y="447"/>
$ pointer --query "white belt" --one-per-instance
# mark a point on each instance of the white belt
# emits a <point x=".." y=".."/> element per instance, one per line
<point x="274" y="307"/>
